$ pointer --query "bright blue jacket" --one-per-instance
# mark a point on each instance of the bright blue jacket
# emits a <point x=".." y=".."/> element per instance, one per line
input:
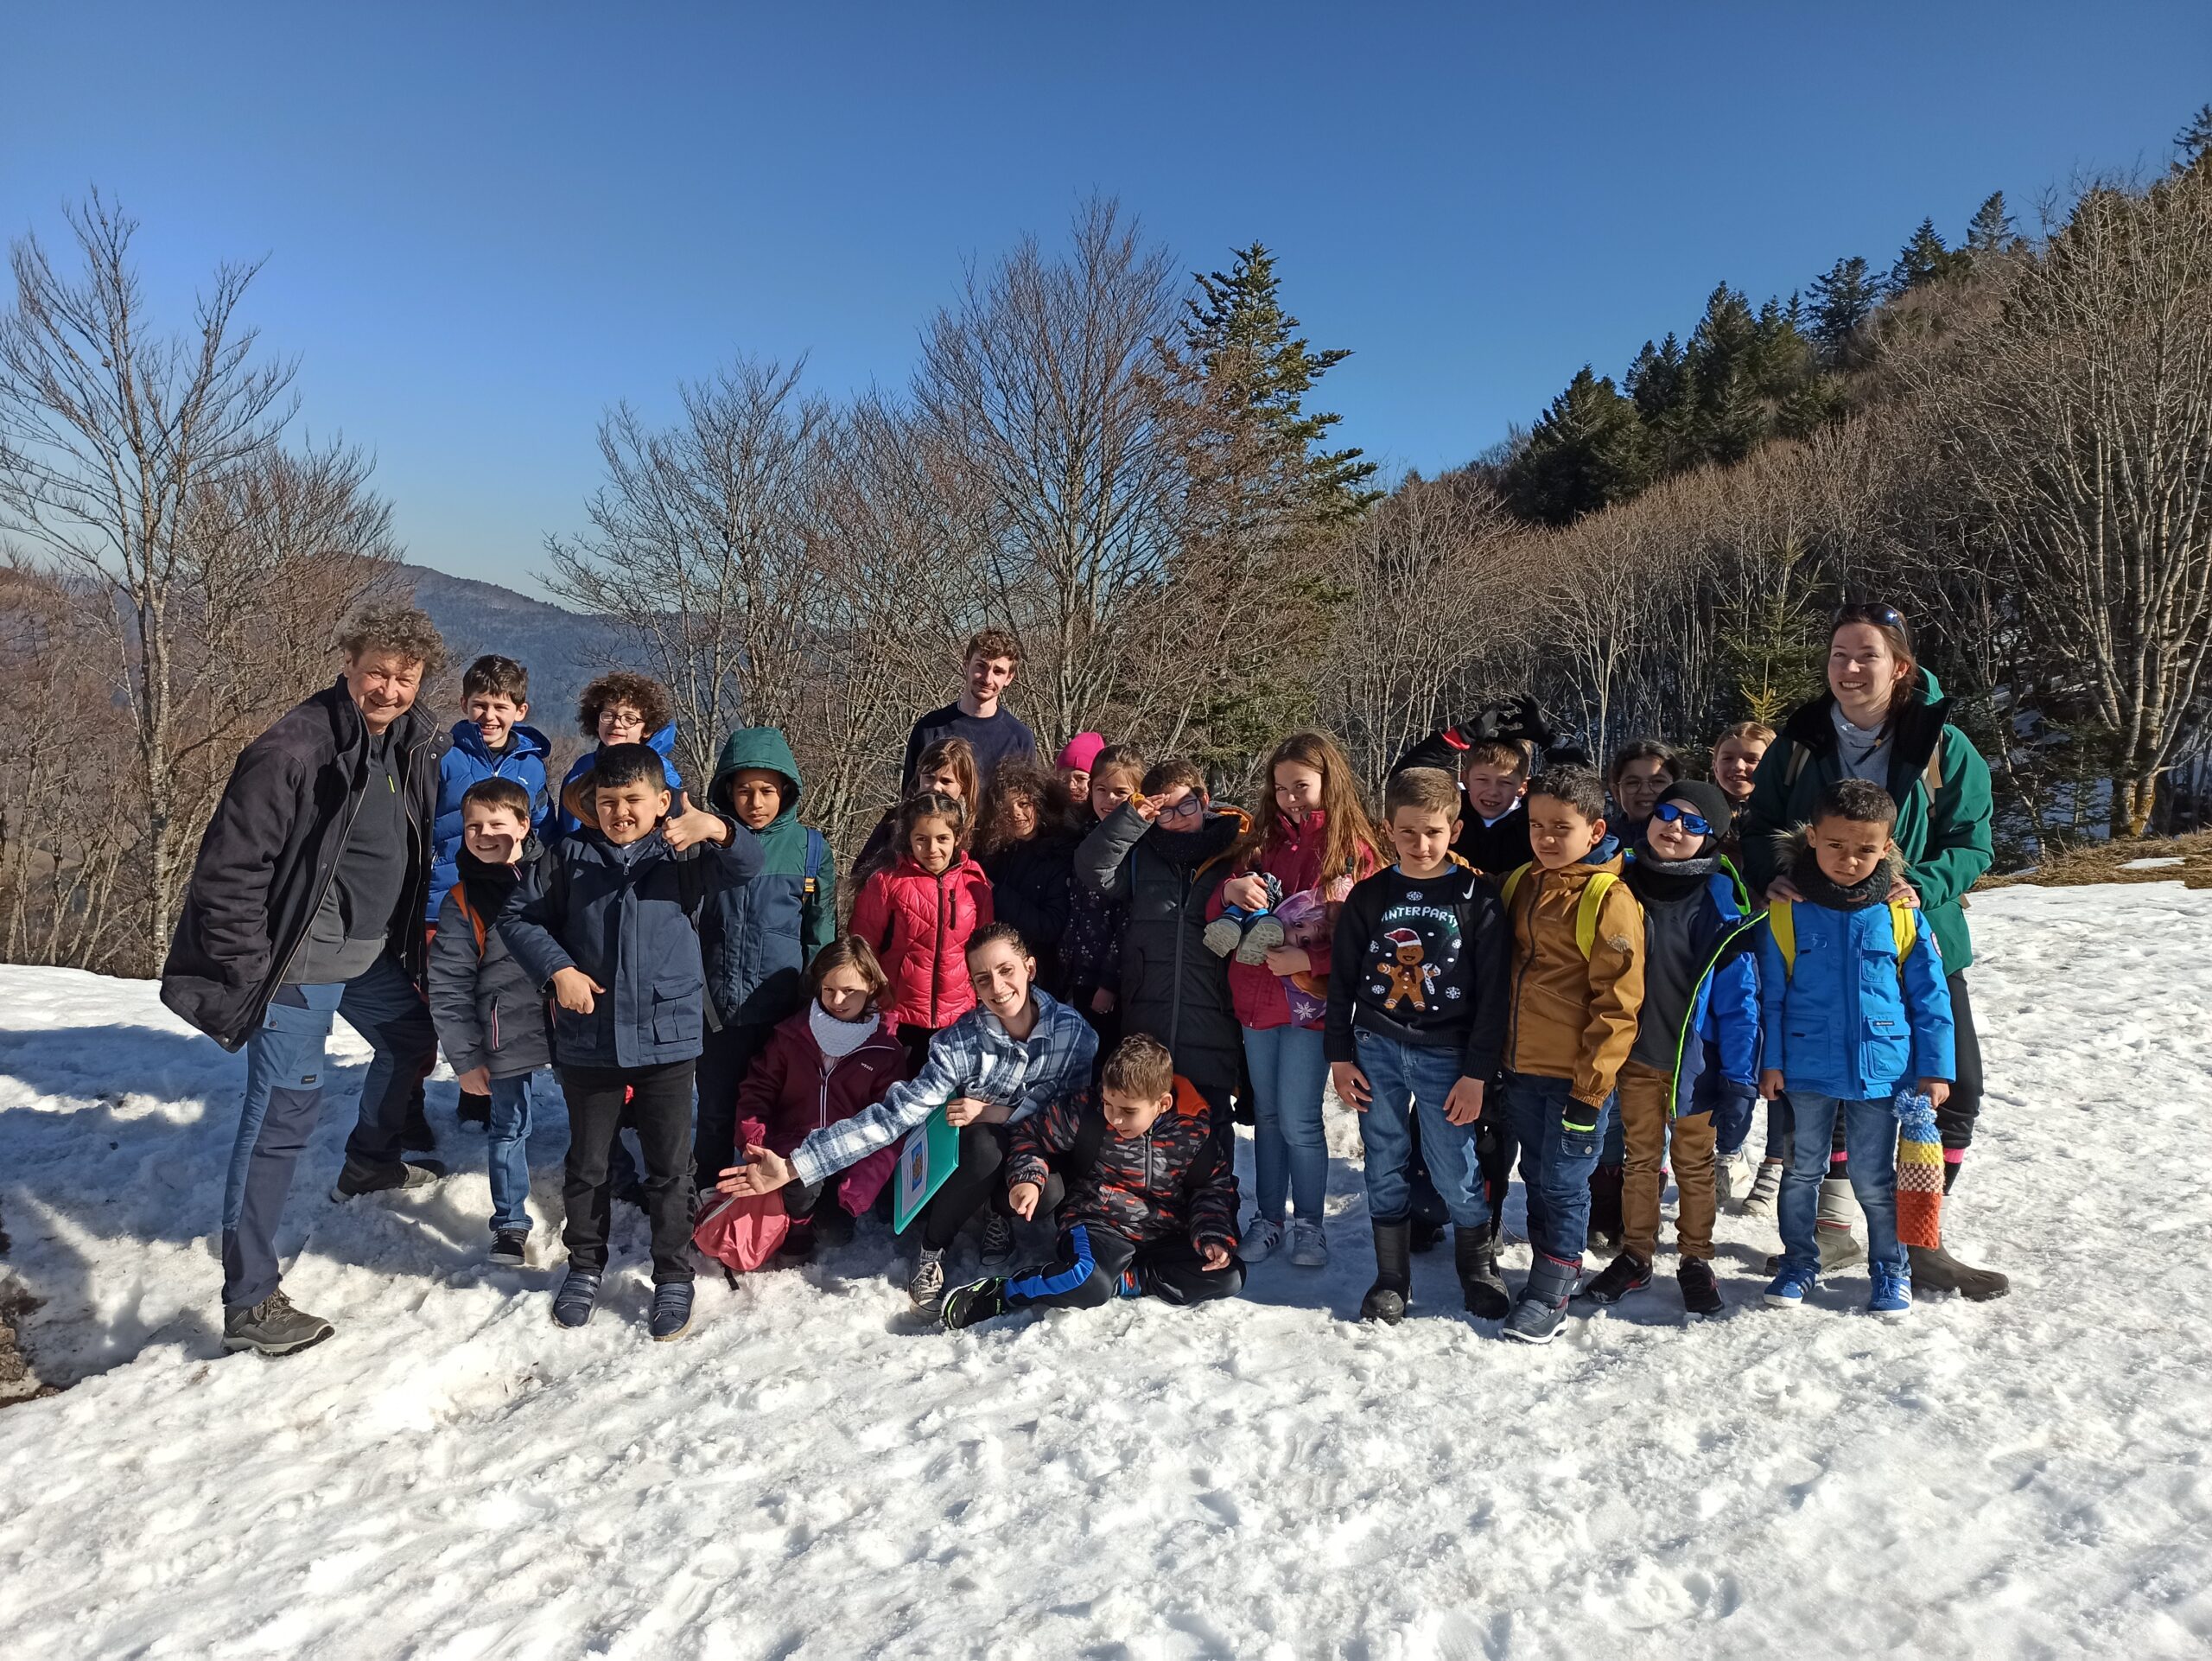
<point x="468" y="762"/>
<point x="566" y="824"/>
<point x="1848" y="1021"/>
<point x="1717" y="1052"/>
<point x="623" y="914"/>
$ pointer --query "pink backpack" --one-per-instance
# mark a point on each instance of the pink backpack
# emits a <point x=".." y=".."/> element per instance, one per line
<point x="741" y="1232"/>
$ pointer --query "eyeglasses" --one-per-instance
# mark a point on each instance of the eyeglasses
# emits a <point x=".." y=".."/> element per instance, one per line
<point x="1668" y="813"/>
<point x="1871" y="611"/>
<point x="1189" y="808"/>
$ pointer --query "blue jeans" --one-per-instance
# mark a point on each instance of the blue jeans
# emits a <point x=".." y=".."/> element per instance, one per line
<point x="285" y="1065"/>
<point x="1406" y="1080"/>
<point x="1555" y="1163"/>
<point x="1870" y="1131"/>
<point x="507" y="1149"/>
<point x="1289" y="1153"/>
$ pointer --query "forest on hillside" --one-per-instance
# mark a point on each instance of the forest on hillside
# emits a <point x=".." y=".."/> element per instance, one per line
<point x="2008" y="436"/>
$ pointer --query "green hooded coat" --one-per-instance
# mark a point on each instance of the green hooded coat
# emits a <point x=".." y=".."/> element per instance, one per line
<point x="760" y="939"/>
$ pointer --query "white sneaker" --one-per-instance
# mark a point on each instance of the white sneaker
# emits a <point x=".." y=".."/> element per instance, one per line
<point x="1309" y="1247"/>
<point x="1262" y="1239"/>
<point x="998" y="1241"/>
<point x="926" y="1284"/>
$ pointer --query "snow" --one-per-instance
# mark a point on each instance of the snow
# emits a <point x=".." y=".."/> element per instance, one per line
<point x="810" y="1474"/>
<point x="2161" y="863"/>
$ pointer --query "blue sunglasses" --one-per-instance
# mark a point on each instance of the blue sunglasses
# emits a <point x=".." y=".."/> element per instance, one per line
<point x="1670" y="814"/>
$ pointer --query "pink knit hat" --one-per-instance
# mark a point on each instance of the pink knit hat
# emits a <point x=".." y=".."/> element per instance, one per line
<point x="1081" y="750"/>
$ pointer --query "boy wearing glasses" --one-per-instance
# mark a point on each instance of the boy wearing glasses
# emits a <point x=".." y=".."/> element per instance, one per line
<point x="1696" y="1045"/>
<point x="1162" y="854"/>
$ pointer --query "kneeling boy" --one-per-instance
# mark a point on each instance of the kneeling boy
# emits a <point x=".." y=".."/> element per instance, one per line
<point x="1151" y="1204"/>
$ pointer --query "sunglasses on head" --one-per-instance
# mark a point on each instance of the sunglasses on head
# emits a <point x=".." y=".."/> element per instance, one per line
<point x="1872" y="611"/>
<point x="1672" y="813"/>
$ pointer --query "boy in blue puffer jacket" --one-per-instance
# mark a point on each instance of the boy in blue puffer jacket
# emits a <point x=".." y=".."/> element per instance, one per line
<point x="758" y="938"/>
<point x="621" y="708"/>
<point x="489" y="741"/>
<point x="1697" y="1039"/>
<point x="608" y="931"/>
<point x="1855" y="1003"/>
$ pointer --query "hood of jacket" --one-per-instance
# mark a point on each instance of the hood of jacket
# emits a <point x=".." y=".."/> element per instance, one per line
<point x="766" y="748"/>
<point x="1219" y="831"/>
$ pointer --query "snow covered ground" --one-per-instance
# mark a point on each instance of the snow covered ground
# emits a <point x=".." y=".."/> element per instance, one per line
<point x="810" y="1475"/>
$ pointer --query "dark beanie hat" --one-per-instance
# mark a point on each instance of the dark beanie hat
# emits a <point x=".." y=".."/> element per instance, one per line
<point x="1710" y="801"/>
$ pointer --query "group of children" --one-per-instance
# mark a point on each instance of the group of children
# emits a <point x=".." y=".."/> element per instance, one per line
<point x="1090" y="970"/>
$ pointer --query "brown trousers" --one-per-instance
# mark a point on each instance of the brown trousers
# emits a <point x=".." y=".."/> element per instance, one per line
<point x="1644" y="1098"/>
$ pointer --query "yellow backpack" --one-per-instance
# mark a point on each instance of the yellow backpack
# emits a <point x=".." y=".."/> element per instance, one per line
<point x="1585" y="910"/>
<point x="1781" y="919"/>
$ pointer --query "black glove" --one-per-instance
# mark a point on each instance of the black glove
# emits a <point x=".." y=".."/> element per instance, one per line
<point x="1514" y="720"/>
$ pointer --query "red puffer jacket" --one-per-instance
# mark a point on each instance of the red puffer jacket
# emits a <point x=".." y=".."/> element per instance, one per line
<point x="1260" y="995"/>
<point x="920" y="926"/>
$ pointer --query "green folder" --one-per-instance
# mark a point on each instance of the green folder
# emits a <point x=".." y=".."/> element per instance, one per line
<point x="931" y="1152"/>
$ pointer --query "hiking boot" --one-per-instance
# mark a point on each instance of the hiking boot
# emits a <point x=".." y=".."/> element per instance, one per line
<point x="1223" y="936"/>
<point x="1790" y="1288"/>
<point x="273" y="1328"/>
<point x="1700" y="1291"/>
<point x="1537" y="1316"/>
<point x="1309" y="1247"/>
<point x="671" y="1315"/>
<point x="1262" y="935"/>
<point x="1262" y="1239"/>
<point x="1892" y="1293"/>
<point x="471" y="1109"/>
<point x="998" y="1240"/>
<point x="1765" y="1191"/>
<point x="1394" y="1277"/>
<point x="926" y="1286"/>
<point x="359" y="1177"/>
<point x="978" y="1301"/>
<point x="1625" y="1274"/>
<point x="579" y="1295"/>
<point x="1476" y="1258"/>
<point x="511" y="1247"/>
<point x="1935" y="1270"/>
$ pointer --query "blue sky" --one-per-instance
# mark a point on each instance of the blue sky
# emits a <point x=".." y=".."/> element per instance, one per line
<point x="485" y="223"/>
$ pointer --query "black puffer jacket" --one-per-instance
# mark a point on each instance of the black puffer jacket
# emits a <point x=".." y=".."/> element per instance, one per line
<point x="1173" y="988"/>
<point x="272" y="849"/>
<point x="1170" y="1183"/>
<point x="1029" y="889"/>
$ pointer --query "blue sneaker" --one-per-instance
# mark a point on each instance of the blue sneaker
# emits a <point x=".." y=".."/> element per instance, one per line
<point x="671" y="1316"/>
<point x="579" y="1292"/>
<point x="1789" y="1288"/>
<point x="1892" y="1293"/>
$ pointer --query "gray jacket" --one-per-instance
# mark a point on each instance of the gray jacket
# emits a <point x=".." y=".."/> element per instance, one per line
<point x="488" y="1011"/>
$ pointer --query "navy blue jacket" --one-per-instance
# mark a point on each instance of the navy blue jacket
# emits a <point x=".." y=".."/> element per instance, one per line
<point x="1846" y="1020"/>
<point x="623" y="916"/>
<point x="468" y="763"/>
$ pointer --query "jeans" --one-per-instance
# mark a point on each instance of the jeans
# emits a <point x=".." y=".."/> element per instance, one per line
<point x="1289" y="1153"/>
<point x="1555" y="1163"/>
<point x="506" y="1149"/>
<point x="1405" y="1080"/>
<point x="1871" y="1129"/>
<point x="660" y="1107"/>
<point x="284" y="1066"/>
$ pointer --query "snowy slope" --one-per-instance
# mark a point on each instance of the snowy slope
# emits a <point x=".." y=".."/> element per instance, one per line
<point x="809" y="1475"/>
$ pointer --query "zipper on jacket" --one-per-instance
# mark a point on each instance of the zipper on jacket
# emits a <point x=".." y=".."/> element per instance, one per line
<point x="1744" y="926"/>
<point x="936" y="948"/>
<point x="1520" y="980"/>
<point x="315" y="910"/>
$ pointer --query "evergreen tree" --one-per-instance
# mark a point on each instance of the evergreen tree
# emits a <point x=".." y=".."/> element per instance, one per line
<point x="1586" y="451"/>
<point x="1990" y="231"/>
<point x="1724" y="355"/>
<point x="1665" y="392"/>
<point x="1923" y="259"/>
<point x="1257" y="370"/>
<point x="2195" y="140"/>
<point x="1843" y="299"/>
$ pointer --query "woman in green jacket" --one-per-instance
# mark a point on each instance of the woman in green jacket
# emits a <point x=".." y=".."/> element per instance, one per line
<point x="1883" y="718"/>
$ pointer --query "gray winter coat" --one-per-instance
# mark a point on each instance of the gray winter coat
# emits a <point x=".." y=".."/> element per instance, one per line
<point x="488" y="1012"/>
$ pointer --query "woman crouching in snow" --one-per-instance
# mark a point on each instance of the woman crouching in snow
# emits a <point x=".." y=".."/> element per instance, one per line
<point x="1018" y="1049"/>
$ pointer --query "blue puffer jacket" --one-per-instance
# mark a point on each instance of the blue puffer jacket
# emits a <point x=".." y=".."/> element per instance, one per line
<point x="1848" y="1020"/>
<point x="623" y="915"/>
<point x="759" y="938"/>
<point x="1717" y="1052"/>
<point x="566" y="824"/>
<point x="469" y="762"/>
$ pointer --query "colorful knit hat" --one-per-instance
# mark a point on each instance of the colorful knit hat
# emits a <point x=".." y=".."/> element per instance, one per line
<point x="1081" y="751"/>
<point x="1919" y="1171"/>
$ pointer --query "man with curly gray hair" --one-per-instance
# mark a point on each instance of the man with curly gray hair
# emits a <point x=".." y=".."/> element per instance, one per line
<point x="306" y="901"/>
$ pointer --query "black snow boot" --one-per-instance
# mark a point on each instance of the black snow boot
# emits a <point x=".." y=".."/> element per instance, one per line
<point x="1476" y="1258"/>
<point x="1394" y="1274"/>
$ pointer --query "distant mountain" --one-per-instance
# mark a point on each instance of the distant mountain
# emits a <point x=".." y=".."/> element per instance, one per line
<point x="561" y="649"/>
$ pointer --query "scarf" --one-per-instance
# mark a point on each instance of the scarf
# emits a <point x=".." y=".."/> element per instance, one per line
<point x="1872" y="889"/>
<point x="839" y="1039"/>
<point x="1919" y="1171"/>
<point x="1665" y="881"/>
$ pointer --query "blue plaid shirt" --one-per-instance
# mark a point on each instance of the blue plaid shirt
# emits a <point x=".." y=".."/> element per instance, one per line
<point x="975" y="1056"/>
